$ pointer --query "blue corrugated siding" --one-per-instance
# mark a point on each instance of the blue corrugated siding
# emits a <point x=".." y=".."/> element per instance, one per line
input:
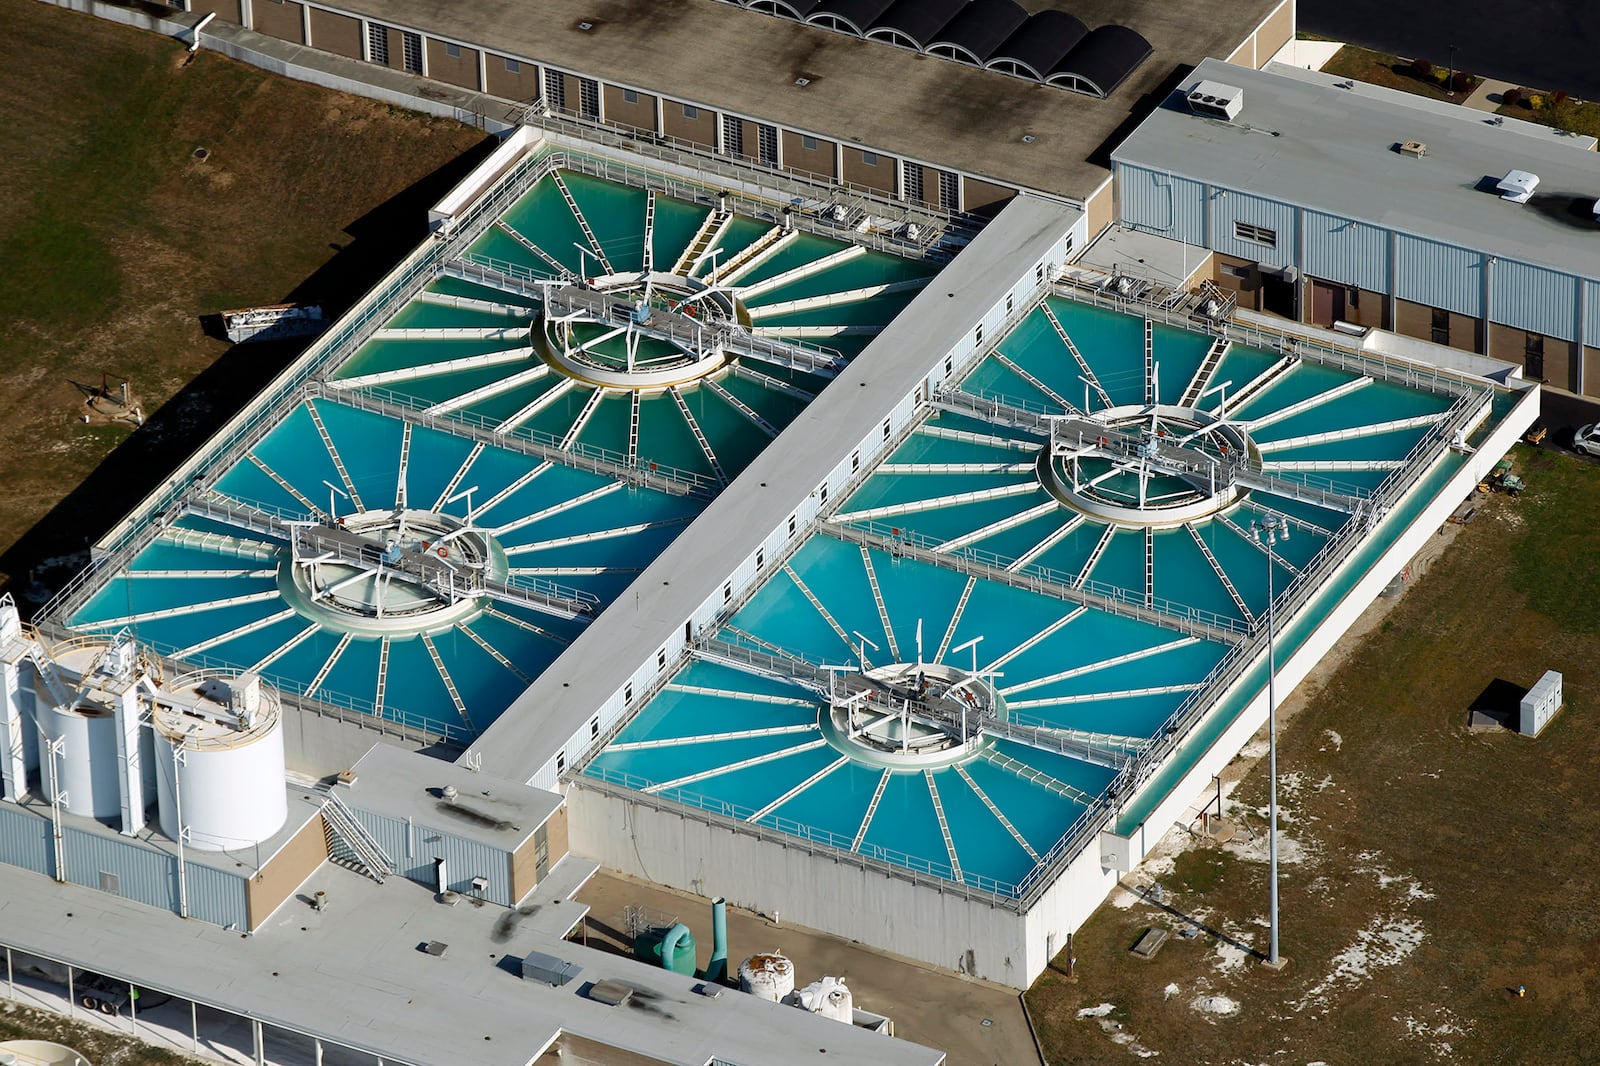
<point x="1533" y="298"/>
<point x="1160" y="203"/>
<point x="148" y="877"/>
<point x="464" y="859"/>
<point x="24" y="840"/>
<point x="1231" y="207"/>
<point x="1439" y="275"/>
<point x="1348" y="252"/>
<point x="218" y="897"/>
<point x="1591" y="302"/>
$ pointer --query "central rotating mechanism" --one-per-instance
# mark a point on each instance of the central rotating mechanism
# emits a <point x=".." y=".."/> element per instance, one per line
<point x="640" y="331"/>
<point x="909" y="715"/>
<point x="1148" y="465"/>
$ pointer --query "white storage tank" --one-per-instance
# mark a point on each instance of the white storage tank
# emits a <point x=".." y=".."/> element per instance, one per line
<point x="770" y="976"/>
<point x="86" y="770"/>
<point x="829" y="997"/>
<point x="220" y="760"/>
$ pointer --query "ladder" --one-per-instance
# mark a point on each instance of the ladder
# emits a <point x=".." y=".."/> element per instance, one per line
<point x="349" y="842"/>
<point x="383" y="674"/>
<point x="699" y="436"/>
<point x="649" y="229"/>
<point x="1202" y="377"/>
<point x="1149" y="566"/>
<point x="550" y="260"/>
<point x="705" y="238"/>
<point x="633" y="427"/>
<point x="583" y="223"/>
<point x="1083" y="364"/>
<point x="338" y="461"/>
<point x="1149" y="361"/>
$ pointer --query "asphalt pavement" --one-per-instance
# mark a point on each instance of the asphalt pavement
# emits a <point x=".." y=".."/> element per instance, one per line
<point x="1543" y="44"/>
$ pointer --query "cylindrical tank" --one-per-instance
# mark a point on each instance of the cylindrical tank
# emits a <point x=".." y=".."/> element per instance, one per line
<point x="42" y="1052"/>
<point x="220" y="761"/>
<point x="86" y="770"/>
<point x="770" y="976"/>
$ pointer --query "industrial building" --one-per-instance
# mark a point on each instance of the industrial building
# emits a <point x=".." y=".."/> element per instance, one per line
<point x="883" y="559"/>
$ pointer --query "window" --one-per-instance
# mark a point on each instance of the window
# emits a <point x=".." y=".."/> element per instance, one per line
<point x="589" y="97"/>
<point x="914" y="182"/>
<point x="594" y="727"/>
<point x="977" y="335"/>
<point x="1352" y="298"/>
<point x="869" y="159"/>
<point x="733" y="135"/>
<point x="1233" y="270"/>
<point x="1011" y="303"/>
<point x="561" y="763"/>
<point x="555" y="89"/>
<point x="627" y="692"/>
<point x="949" y="366"/>
<point x="452" y="50"/>
<point x="1038" y="272"/>
<point x="791" y="525"/>
<point x="691" y="112"/>
<point x="110" y="882"/>
<point x="411" y="51"/>
<point x="513" y="66"/>
<point x="855" y="461"/>
<point x="767" y="145"/>
<point x="727" y="592"/>
<point x="661" y="659"/>
<point x="630" y="96"/>
<point x="1247" y="231"/>
<point x="822" y="493"/>
<point x="761" y="558"/>
<point x="1440" y="332"/>
<point x="885" y="429"/>
<point x="378" y="43"/>
<point x="1533" y="355"/>
<point x="808" y="143"/>
<point x="949" y="191"/>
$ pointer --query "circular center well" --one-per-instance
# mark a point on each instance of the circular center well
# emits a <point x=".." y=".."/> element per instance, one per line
<point x="910" y="715"/>
<point x="1147" y="465"/>
<point x="390" y="571"/>
<point x="639" y="331"/>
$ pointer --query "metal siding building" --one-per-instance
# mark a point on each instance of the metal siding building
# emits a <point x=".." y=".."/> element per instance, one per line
<point x="113" y="865"/>
<point x="1344" y="250"/>
<point x="1534" y="298"/>
<point x="1161" y="203"/>
<point x="24" y="840"/>
<point x="1310" y="145"/>
<point x="1439" y="275"/>
<point x="1230" y="210"/>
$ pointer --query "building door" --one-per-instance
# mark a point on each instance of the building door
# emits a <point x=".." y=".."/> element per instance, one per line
<point x="1327" y="303"/>
<point x="1277" y="296"/>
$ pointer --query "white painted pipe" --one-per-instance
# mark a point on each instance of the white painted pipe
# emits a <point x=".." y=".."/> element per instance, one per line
<point x="194" y="45"/>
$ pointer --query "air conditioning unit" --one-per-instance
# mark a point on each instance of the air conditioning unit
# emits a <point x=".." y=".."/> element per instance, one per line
<point x="1517" y="186"/>
<point x="1216" y="100"/>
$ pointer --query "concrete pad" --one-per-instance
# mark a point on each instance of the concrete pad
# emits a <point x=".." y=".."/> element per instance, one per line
<point x="1312" y="55"/>
<point x="930" y="1007"/>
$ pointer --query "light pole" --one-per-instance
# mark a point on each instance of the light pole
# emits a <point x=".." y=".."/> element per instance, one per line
<point x="1450" y="83"/>
<point x="1268" y="531"/>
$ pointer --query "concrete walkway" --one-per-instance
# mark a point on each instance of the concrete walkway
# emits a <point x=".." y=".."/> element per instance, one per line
<point x="1487" y="96"/>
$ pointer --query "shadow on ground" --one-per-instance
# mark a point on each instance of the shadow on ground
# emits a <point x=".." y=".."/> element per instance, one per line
<point x="53" y="550"/>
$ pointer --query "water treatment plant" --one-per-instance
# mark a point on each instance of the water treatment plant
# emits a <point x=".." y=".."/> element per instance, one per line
<point x="884" y="557"/>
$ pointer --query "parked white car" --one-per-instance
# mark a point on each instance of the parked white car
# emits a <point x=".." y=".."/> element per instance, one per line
<point x="1587" y="439"/>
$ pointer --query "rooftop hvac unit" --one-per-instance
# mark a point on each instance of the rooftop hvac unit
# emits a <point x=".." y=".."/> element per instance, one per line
<point x="547" y="969"/>
<point x="1517" y="186"/>
<point x="1216" y="100"/>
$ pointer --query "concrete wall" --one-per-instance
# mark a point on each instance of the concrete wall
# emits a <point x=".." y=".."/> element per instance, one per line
<point x="805" y="153"/>
<point x="282" y="19"/>
<point x="338" y="34"/>
<point x="870" y="170"/>
<point x="460" y="69"/>
<point x="817" y="888"/>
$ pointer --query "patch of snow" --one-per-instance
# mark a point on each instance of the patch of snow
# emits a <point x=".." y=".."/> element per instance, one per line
<point x="1336" y="742"/>
<point x="1219" y="1005"/>
<point x="1171" y="990"/>
<point x="1230" y="956"/>
<point x="1384" y="942"/>
<point x="1097" y="1012"/>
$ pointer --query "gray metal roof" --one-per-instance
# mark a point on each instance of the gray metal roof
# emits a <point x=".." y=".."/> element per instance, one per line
<point x="1309" y="139"/>
<point x="408" y="784"/>
<point x="694" y="566"/>
<point x="354" y="974"/>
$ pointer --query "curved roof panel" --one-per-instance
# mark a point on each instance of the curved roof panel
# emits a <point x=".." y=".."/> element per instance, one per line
<point x="850" y="16"/>
<point x="978" y="31"/>
<point x="1102" y="61"/>
<point x="795" y="9"/>
<point x="919" y="21"/>
<point x="1038" y="45"/>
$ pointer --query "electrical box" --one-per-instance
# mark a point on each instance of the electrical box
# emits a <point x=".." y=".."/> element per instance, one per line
<point x="1543" y="701"/>
<point x="547" y="969"/>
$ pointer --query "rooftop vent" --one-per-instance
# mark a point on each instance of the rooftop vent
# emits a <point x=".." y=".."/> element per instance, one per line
<point x="1517" y="186"/>
<point x="547" y="969"/>
<point x="1415" y="149"/>
<point x="1216" y="100"/>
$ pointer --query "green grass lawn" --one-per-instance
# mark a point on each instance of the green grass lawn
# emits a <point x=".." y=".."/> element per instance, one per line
<point x="1380" y="68"/>
<point x="1428" y="870"/>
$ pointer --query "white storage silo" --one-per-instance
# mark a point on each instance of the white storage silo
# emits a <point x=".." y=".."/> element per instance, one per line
<point x="220" y="761"/>
<point x="86" y="769"/>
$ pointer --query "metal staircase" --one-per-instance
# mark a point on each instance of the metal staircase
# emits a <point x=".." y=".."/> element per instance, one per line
<point x="349" y="843"/>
